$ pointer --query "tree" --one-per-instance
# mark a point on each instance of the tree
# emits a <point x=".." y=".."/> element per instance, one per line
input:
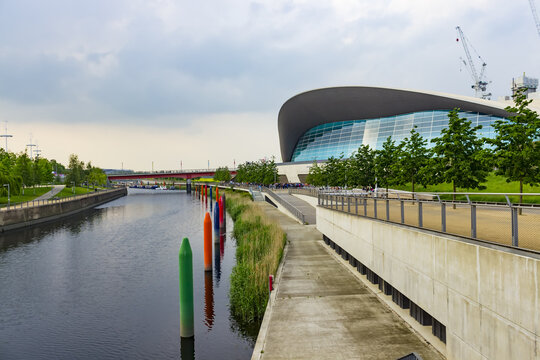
<point x="334" y="171"/>
<point x="386" y="163"/>
<point x="316" y="176"/>
<point x="222" y="174"/>
<point x="361" y="170"/>
<point x="414" y="159"/>
<point x="76" y="169"/>
<point x="516" y="149"/>
<point x="96" y="176"/>
<point x="23" y="169"/>
<point x="459" y="154"/>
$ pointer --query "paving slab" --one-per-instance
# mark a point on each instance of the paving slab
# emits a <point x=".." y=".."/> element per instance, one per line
<point x="320" y="310"/>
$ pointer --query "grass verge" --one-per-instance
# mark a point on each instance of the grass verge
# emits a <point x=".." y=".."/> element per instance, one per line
<point x="28" y="195"/>
<point x="68" y="191"/>
<point x="494" y="184"/>
<point x="259" y="248"/>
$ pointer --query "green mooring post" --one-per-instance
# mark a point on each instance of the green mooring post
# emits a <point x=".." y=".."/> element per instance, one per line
<point x="185" y="265"/>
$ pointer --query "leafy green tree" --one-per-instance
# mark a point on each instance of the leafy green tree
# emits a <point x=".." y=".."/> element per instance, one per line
<point x="516" y="149"/>
<point x="460" y="158"/>
<point x="414" y="159"/>
<point x="316" y="175"/>
<point x="76" y="170"/>
<point x="24" y="169"/>
<point x="361" y="170"/>
<point x="96" y="176"/>
<point x="222" y="174"/>
<point x="335" y="171"/>
<point x="386" y="163"/>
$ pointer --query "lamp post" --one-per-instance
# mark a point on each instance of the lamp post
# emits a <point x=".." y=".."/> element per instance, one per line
<point x="8" y="194"/>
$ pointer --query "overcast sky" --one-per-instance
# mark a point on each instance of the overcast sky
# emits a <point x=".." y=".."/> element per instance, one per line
<point x="133" y="81"/>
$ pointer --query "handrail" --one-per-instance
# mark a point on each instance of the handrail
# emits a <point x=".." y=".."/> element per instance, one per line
<point x="35" y="203"/>
<point x="290" y="207"/>
<point x="366" y="204"/>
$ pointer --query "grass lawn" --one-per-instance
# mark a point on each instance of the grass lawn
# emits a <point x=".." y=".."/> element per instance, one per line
<point x="68" y="191"/>
<point x="494" y="184"/>
<point x="28" y="195"/>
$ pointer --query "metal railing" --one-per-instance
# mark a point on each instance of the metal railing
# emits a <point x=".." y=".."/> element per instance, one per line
<point x="513" y="224"/>
<point x="309" y="191"/>
<point x="33" y="203"/>
<point x="290" y="207"/>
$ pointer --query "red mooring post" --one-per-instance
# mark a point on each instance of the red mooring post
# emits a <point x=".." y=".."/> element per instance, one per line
<point x="270" y="283"/>
<point x="207" y="243"/>
<point x="221" y="212"/>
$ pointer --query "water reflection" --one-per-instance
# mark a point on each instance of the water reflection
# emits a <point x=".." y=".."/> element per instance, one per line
<point x="222" y="245"/>
<point x="74" y="224"/>
<point x="217" y="262"/>
<point x="208" y="300"/>
<point x="187" y="348"/>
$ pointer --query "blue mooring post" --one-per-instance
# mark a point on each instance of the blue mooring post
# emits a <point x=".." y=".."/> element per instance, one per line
<point x="211" y="198"/>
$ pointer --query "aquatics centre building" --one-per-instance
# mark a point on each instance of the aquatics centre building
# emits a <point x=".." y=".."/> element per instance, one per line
<point x="318" y="124"/>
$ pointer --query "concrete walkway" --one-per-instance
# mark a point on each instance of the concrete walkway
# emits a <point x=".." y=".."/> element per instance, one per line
<point x="55" y="190"/>
<point x="320" y="310"/>
<point x="307" y="209"/>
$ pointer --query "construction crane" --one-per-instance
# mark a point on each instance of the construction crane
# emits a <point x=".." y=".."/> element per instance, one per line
<point x="535" y="15"/>
<point x="480" y="85"/>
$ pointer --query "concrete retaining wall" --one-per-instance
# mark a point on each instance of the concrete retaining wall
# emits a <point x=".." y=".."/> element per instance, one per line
<point x="17" y="218"/>
<point x="487" y="296"/>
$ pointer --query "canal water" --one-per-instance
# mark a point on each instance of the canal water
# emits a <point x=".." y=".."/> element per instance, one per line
<point x="104" y="285"/>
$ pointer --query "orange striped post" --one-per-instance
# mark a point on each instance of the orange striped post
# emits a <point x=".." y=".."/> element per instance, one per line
<point x="207" y="243"/>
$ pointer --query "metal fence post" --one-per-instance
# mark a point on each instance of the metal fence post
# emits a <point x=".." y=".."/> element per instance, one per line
<point x="473" y="221"/>
<point x="356" y="204"/>
<point x="443" y="217"/>
<point x="515" y="217"/>
<point x="374" y="208"/>
<point x="420" y="217"/>
<point x="387" y="210"/>
<point x="348" y="204"/>
<point x="342" y="202"/>
<point x="319" y="200"/>
<point x="365" y="206"/>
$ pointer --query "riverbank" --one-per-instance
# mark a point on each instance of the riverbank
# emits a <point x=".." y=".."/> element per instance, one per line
<point x="16" y="218"/>
<point x="319" y="309"/>
<point x="260" y="244"/>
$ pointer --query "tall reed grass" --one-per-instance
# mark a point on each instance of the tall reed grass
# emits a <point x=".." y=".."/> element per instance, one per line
<point x="259" y="248"/>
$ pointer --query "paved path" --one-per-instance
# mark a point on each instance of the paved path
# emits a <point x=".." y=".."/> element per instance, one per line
<point x="307" y="209"/>
<point x="320" y="310"/>
<point x="55" y="190"/>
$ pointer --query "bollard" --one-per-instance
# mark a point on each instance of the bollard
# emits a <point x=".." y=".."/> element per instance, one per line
<point x="270" y="283"/>
<point x="216" y="223"/>
<point x="221" y="212"/>
<point x="185" y="266"/>
<point x="217" y="193"/>
<point x="207" y="243"/>
<point x="211" y="201"/>
<point x="224" y="208"/>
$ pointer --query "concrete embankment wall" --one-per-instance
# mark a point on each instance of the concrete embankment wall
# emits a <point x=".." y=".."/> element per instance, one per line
<point x="17" y="218"/>
<point x="487" y="297"/>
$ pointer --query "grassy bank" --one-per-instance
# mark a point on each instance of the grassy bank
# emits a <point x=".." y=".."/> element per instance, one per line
<point x="68" y="191"/>
<point x="259" y="248"/>
<point x="494" y="184"/>
<point x="28" y="195"/>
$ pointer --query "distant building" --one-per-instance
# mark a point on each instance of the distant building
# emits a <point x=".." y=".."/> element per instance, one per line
<point x="318" y="124"/>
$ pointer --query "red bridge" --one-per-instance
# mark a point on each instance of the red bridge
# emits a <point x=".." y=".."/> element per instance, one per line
<point x="183" y="174"/>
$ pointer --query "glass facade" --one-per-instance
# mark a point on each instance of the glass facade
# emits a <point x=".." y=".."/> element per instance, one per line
<point x="332" y="139"/>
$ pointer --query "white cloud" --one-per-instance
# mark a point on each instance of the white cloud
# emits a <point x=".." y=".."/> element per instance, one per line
<point x="167" y="64"/>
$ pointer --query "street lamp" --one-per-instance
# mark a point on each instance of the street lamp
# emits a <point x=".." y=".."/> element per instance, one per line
<point x="8" y="195"/>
